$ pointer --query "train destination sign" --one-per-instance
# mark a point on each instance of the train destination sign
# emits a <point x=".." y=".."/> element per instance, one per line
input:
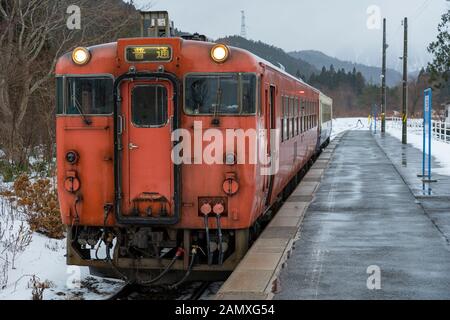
<point x="149" y="54"/>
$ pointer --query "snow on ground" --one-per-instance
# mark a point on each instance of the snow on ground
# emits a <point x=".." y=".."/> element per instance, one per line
<point x="44" y="258"/>
<point x="344" y="124"/>
<point x="440" y="150"/>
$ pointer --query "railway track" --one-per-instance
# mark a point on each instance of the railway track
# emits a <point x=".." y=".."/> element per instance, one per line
<point x="190" y="291"/>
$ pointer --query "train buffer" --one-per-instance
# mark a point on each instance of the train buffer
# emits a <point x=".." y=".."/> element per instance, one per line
<point x="368" y="229"/>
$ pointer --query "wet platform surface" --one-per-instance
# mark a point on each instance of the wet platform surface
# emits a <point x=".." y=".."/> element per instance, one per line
<point x="370" y="210"/>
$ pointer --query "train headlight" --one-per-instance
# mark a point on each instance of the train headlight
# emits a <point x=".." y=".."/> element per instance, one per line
<point x="230" y="159"/>
<point x="81" y="56"/>
<point x="220" y="53"/>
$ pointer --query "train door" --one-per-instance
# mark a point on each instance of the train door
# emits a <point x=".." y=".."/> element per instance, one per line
<point x="148" y="168"/>
<point x="270" y="125"/>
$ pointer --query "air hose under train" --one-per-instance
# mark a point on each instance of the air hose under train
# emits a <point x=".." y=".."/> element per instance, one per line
<point x="208" y="240"/>
<point x="189" y="270"/>
<point x="219" y="236"/>
<point x="179" y="253"/>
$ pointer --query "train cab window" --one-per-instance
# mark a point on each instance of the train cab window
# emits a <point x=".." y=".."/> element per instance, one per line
<point x="91" y="96"/>
<point x="149" y="106"/>
<point x="220" y="94"/>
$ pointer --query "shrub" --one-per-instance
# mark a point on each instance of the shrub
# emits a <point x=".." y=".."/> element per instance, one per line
<point x="38" y="200"/>
<point x="38" y="287"/>
<point x="9" y="171"/>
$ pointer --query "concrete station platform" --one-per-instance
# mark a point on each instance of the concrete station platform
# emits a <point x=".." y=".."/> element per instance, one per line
<point x="360" y="205"/>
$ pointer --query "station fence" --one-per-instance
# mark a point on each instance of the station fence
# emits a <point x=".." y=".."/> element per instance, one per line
<point x="440" y="129"/>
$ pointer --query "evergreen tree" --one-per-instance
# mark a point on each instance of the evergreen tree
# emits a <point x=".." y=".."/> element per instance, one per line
<point x="440" y="67"/>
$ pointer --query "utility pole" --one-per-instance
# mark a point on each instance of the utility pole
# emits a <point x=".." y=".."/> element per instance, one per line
<point x="405" y="85"/>
<point x="383" y="82"/>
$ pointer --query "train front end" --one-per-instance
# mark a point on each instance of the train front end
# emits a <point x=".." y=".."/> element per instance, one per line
<point x="144" y="183"/>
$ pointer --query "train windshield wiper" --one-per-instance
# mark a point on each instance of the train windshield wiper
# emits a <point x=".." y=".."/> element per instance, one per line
<point x="77" y="105"/>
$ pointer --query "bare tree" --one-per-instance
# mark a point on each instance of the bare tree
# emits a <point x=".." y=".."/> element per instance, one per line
<point x="33" y="34"/>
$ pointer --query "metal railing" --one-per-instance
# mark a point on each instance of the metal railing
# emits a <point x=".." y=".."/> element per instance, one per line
<point x="440" y="130"/>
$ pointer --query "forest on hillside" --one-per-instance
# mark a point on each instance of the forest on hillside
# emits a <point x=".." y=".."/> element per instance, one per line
<point x="354" y="97"/>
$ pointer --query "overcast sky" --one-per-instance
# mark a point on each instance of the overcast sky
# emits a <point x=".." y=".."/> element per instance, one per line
<point x="337" y="28"/>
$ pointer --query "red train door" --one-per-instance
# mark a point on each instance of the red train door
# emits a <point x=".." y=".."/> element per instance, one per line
<point x="148" y="168"/>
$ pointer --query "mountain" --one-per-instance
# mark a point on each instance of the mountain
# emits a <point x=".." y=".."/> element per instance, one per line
<point x="371" y="74"/>
<point x="278" y="57"/>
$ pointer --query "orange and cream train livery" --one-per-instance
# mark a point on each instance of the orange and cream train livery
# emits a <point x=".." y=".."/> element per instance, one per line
<point x="173" y="153"/>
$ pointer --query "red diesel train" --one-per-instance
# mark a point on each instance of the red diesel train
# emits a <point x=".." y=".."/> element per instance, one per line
<point x="131" y="206"/>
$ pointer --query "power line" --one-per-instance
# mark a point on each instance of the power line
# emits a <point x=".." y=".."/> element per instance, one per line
<point x="422" y="9"/>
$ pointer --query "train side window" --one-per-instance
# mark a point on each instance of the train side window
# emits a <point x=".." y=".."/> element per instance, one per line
<point x="59" y="95"/>
<point x="309" y="115"/>
<point x="249" y="85"/>
<point x="149" y="106"/>
<point x="296" y="116"/>
<point x="93" y="96"/>
<point x="282" y="118"/>
<point x="301" y="115"/>
<point x="289" y="118"/>
<point x="286" y="116"/>
<point x="292" y="117"/>
<point x="306" y="115"/>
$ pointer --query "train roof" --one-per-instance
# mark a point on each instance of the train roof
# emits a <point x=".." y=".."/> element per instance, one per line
<point x="258" y="60"/>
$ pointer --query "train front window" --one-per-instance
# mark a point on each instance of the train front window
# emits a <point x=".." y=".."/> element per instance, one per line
<point x="91" y="96"/>
<point x="220" y="94"/>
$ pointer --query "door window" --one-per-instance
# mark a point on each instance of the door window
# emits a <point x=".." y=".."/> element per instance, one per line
<point x="149" y="106"/>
